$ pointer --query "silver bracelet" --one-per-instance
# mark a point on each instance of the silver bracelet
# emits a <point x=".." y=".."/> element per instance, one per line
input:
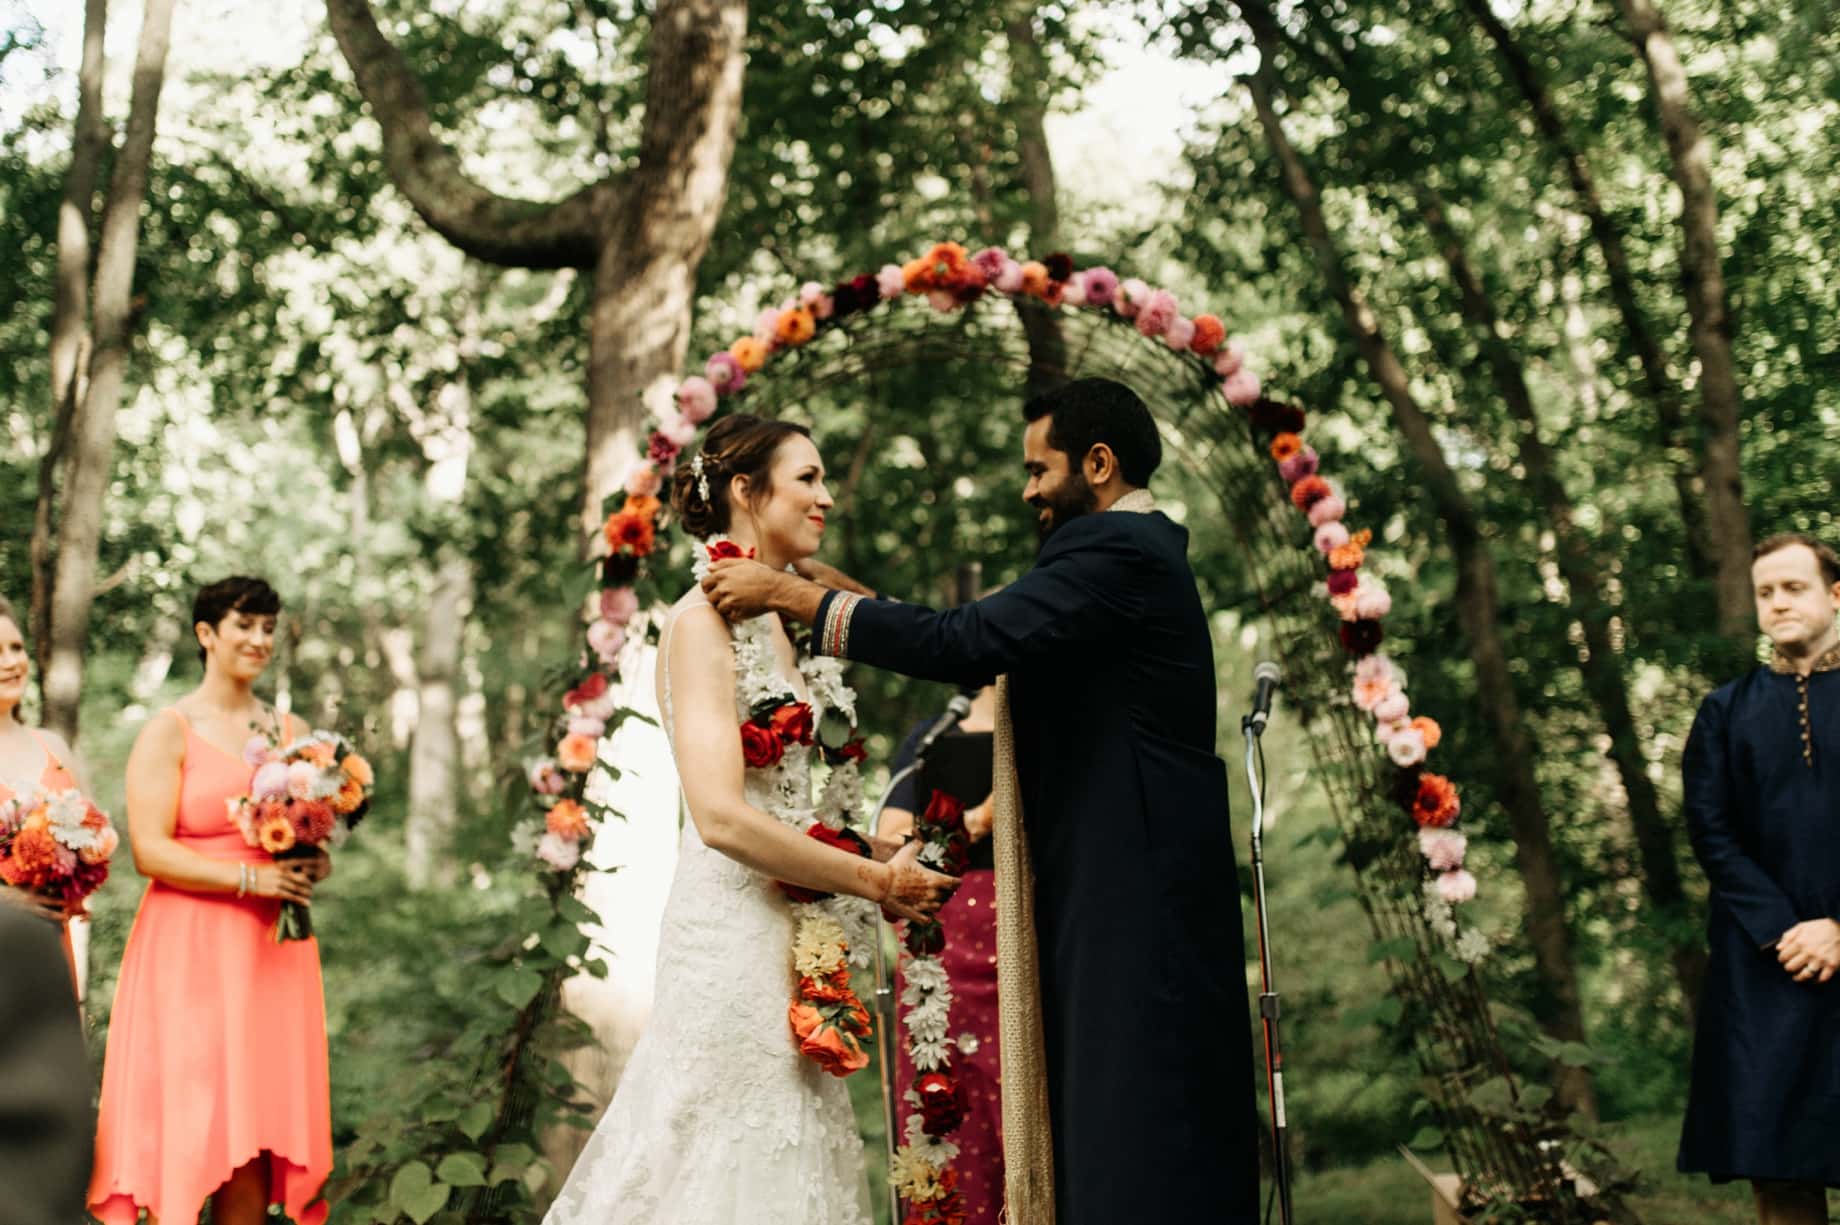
<point x="242" y="879"/>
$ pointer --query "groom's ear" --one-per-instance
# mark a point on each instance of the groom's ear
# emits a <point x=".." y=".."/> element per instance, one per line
<point x="1100" y="464"/>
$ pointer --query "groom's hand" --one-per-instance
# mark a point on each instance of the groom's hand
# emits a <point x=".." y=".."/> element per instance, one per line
<point x="740" y="589"/>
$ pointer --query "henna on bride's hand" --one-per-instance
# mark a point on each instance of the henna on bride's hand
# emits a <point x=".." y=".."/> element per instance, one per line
<point x="914" y="891"/>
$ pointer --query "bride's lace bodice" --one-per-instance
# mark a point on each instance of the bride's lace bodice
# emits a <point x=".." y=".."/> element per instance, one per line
<point x="718" y="1119"/>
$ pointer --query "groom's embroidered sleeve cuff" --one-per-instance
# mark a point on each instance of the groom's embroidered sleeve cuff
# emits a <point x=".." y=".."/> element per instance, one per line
<point x="834" y="613"/>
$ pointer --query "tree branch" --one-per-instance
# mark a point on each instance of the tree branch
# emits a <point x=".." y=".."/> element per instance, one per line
<point x="498" y="229"/>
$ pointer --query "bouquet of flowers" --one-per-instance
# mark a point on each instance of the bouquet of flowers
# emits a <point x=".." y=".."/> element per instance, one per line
<point x="56" y="842"/>
<point x="303" y="797"/>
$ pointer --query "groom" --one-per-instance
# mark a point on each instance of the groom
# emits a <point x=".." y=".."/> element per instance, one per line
<point x="1143" y="1015"/>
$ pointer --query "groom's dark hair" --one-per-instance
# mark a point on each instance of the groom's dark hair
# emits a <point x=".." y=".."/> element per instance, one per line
<point x="1087" y="412"/>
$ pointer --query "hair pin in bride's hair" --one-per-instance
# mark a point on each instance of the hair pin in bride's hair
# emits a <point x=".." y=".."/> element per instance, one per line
<point x="702" y="481"/>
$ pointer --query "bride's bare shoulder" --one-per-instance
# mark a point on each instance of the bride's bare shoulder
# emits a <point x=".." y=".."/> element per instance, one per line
<point x="696" y="623"/>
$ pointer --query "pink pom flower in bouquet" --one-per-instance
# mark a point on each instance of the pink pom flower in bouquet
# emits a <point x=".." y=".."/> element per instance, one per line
<point x="103" y="848"/>
<point x="813" y="298"/>
<point x="1009" y="277"/>
<point x="559" y="853"/>
<point x="1443" y="849"/>
<point x="696" y="399"/>
<point x="1394" y="707"/>
<point x="1073" y="292"/>
<point x="1373" y="689"/>
<point x="766" y="324"/>
<point x="891" y="281"/>
<point x="1384" y="732"/>
<point x="1100" y="285"/>
<point x="271" y="780"/>
<point x="1372" y="600"/>
<point x="255" y="750"/>
<point x="1456" y="886"/>
<point x="724" y="373"/>
<point x="1379" y="666"/>
<point x="1180" y="333"/>
<point x="619" y="604"/>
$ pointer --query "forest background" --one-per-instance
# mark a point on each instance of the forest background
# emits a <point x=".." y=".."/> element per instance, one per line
<point x="1554" y="279"/>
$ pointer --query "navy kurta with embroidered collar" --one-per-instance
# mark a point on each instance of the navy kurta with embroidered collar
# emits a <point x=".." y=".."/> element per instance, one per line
<point x="1113" y="702"/>
<point x="1762" y="799"/>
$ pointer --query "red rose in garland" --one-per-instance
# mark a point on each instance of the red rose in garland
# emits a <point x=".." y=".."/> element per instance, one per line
<point x="792" y="723"/>
<point x="843" y="839"/>
<point x="942" y="1104"/>
<point x="760" y="748"/>
<point x="724" y="550"/>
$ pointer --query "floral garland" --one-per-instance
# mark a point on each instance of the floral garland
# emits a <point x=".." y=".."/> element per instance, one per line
<point x="922" y="1171"/>
<point x="831" y="933"/>
<point x="1361" y="600"/>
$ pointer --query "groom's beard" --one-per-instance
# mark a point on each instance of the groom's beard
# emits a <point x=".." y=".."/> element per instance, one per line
<point x="1071" y="500"/>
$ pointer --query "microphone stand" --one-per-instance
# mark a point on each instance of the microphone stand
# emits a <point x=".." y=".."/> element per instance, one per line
<point x="1268" y="995"/>
<point x="884" y="1004"/>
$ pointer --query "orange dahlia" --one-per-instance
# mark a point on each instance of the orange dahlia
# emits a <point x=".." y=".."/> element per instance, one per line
<point x="275" y="834"/>
<point x="630" y="533"/>
<point x="357" y="768"/>
<point x="1284" y="446"/>
<point x="1429" y="729"/>
<point x="1210" y="333"/>
<point x="576" y="753"/>
<point x="349" y="798"/>
<point x="1436" y="804"/>
<point x="318" y="752"/>
<point x="1034" y="278"/>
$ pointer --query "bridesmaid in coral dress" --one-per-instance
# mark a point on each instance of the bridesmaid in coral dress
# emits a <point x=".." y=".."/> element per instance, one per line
<point x="30" y="757"/>
<point x="215" y="1083"/>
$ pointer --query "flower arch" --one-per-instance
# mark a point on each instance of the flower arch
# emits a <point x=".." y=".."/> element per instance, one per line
<point x="1398" y="819"/>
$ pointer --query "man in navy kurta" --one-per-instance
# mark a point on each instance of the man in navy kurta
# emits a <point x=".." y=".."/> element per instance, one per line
<point x="1762" y="798"/>
<point x="1112" y="697"/>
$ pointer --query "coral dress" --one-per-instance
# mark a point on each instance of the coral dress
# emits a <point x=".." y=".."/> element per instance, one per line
<point x="53" y="778"/>
<point x="217" y="1041"/>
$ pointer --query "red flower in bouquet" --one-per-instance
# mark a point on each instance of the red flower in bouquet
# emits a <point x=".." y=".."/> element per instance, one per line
<point x="854" y="751"/>
<point x="725" y="550"/>
<point x="590" y="690"/>
<point x="792" y="723"/>
<point x="944" y="812"/>
<point x="760" y="748"/>
<point x="36" y="855"/>
<point x="314" y="821"/>
<point x="942" y="1104"/>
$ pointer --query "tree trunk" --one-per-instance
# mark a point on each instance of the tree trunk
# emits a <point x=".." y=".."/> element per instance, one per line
<point x="434" y="752"/>
<point x="645" y="277"/>
<point x="1599" y="667"/>
<point x="643" y="231"/>
<point x="1028" y="70"/>
<point x="1477" y="598"/>
<point x="70" y="310"/>
<point x="92" y="432"/>
<point x="1703" y="279"/>
<point x="1662" y="391"/>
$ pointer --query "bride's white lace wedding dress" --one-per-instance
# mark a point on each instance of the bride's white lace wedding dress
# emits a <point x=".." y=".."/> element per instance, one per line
<point x="718" y="1119"/>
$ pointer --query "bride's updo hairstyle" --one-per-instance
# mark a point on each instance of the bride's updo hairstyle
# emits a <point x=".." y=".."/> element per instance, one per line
<point x="740" y="444"/>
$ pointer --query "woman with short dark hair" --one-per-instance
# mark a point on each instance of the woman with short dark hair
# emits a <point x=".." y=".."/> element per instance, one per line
<point x="215" y="1085"/>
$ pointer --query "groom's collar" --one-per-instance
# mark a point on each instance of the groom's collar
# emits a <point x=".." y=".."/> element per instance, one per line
<point x="1138" y="501"/>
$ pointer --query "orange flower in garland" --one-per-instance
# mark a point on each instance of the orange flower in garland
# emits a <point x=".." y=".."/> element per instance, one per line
<point x="632" y="531"/>
<point x="750" y="352"/>
<point x="1350" y="556"/>
<point x="567" y="819"/>
<point x="1284" y="446"/>
<point x="945" y="267"/>
<point x="795" y="326"/>
<point x="1309" y="491"/>
<point x="1034" y="278"/>
<point x="1436" y="804"/>
<point x="1210" y="334"/>
<point x="1429" y="729"/>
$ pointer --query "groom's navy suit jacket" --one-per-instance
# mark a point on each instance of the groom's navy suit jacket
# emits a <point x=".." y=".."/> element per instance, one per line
<point x="1112" y="696"/>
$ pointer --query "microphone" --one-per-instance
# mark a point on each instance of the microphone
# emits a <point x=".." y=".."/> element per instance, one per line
<point x="956" y="710"/>
<point x="1265" y="681"/>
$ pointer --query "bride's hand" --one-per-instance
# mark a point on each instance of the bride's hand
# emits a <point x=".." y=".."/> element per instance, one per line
<point x="914" y="891"/>
<point x="884" y="849"/>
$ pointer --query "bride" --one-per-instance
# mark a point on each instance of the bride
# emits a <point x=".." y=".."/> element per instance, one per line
<point x="719" y="1119"/>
